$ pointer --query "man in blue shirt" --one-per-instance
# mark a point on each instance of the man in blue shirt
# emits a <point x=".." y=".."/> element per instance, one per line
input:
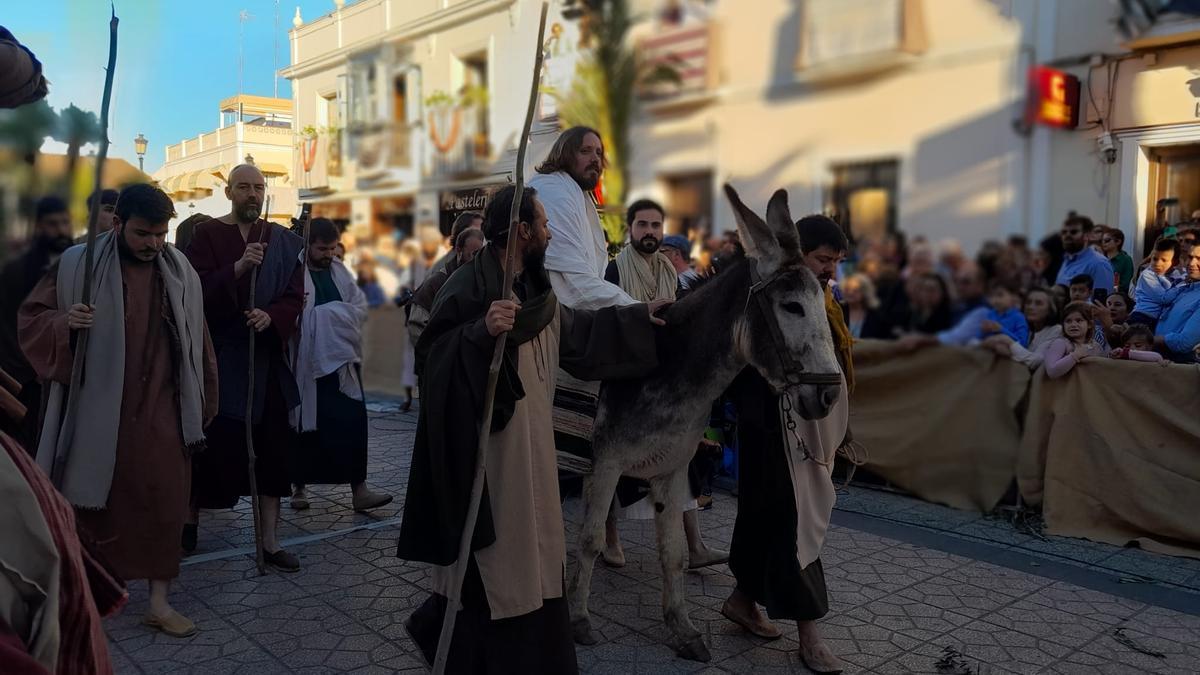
<point x="1178" y="330"/>
<point x="1078" y="258"/>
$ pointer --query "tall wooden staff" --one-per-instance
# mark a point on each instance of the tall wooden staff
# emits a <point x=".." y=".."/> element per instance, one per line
<point x="510" y="252"/>
<point x="255" y="509"/>
<point x="81" y="340"/>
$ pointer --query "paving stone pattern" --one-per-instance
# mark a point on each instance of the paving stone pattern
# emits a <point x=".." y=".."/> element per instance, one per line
<point x="896" y="607"/>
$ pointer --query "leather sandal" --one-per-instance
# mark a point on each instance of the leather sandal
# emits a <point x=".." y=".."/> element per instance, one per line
<point x="372" y="500"/>
<point x="173" y="624"/>
<point x="766" y="630"/>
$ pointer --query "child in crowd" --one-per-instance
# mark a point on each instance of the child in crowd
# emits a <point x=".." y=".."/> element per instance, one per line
<point x="1077" y="343"/>
<point x="1153" y="283"/>
<point x="1005" y="317"/>
<point x="1138" y="345"/>
<point x="1081" y="288"/>
<point x="1112" y="243"/>
<point x="1041" y="313"/>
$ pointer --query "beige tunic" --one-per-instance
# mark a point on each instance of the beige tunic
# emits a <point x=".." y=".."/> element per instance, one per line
<point x="811" y="480"/>
<point x="522" y="480"/>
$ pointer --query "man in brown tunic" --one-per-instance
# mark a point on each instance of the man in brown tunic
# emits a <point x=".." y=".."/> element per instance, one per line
<point x="149" y="389"/>
<point x="224" y="252"/>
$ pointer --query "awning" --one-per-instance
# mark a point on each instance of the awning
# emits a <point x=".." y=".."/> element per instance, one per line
<point x="198" y="180"/>
<point x="273" y="169"/>
<point x="170" y="185"/>
<point x="221" y="173"/>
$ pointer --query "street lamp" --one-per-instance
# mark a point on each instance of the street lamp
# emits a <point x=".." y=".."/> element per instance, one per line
<point x="139" y="146"/>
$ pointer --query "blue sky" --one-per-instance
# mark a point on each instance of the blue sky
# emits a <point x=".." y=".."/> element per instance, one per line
<point x="176" y="59"/>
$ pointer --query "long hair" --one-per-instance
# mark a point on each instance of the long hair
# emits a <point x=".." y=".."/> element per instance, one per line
<point x="562" y="155"/>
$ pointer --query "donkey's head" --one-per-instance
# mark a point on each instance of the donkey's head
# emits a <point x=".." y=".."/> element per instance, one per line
<point x="785" y="333"/>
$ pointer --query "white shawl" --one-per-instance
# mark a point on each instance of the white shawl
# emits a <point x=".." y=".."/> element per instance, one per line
<point x="329" y="341"/>
<point x="92" y="456"/>
<point x="578" y="253"/>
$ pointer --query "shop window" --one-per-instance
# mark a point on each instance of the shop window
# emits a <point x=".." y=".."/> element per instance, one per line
<point x="688" y="203"/>
<point x="863" y="198"/>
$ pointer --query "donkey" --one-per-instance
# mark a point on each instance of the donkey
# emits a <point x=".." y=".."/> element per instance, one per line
<point x="766" y="311"/>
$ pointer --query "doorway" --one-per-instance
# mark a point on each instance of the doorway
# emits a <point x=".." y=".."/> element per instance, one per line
<point x="1174" y="189"/>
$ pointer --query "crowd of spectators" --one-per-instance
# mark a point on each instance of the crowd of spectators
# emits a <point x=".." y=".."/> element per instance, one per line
<point x="1077" y="295"/>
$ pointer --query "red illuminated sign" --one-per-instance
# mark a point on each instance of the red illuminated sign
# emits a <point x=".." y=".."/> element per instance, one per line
<point x="1053" y="98"/>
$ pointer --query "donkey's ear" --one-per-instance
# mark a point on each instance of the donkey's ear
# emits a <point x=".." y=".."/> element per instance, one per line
<point x="756" y="235"/>
<point x="779" y="219"/>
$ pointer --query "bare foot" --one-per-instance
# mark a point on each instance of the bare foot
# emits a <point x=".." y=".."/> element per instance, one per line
<point x="814" y="651"/>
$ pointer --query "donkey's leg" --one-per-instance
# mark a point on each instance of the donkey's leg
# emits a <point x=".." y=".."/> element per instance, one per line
<point x="598" y="490"/>
<point x="667" y="492"/>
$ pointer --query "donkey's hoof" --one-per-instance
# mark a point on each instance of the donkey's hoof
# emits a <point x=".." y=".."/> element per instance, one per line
<point x="694" y="649"/>
<point x="581" y="629"/>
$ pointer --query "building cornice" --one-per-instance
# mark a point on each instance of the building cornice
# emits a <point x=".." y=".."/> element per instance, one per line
<point x="467" y="10"/>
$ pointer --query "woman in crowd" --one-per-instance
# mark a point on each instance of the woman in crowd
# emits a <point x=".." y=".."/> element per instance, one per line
<point x="1041" y="312"/>
<point x="1077" y="343"/>
<point x="862" y="308"/>
<point x="931" y="311"/>
<point x="1119" y="306"/>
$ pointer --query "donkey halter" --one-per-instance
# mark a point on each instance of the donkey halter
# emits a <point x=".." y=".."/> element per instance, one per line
<point x="793" y="371"/>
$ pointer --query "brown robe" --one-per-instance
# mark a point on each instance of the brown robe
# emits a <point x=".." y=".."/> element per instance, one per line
<point x="221" y="475"/>
<point x="139" y="530"/>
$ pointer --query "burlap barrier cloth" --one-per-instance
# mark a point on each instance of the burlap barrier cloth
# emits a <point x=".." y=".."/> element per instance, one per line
<point x="384" y="338"/>
<point x="1112" y="452"/>
<point x="942" y="422"/>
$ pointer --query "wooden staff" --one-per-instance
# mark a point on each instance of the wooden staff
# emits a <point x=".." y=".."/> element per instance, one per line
<point x="255" y="509"/>
<point x="67" y="434"/>
<point x="510" y="252"/>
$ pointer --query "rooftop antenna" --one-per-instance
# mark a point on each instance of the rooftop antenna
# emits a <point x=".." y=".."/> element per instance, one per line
<point x="275" y="52"/>
<point x="243" y="17"/>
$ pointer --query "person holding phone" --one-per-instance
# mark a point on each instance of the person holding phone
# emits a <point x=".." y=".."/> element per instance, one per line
<point x="1083" y="289"/>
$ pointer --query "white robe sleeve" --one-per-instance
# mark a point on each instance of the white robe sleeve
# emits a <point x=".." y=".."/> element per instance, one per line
<point x="576" y="276"/>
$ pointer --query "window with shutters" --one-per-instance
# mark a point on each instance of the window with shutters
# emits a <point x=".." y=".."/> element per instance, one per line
<point x="841" y="33"/>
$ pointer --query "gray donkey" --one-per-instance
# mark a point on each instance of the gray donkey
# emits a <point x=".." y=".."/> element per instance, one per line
<point x="768" y="312"/>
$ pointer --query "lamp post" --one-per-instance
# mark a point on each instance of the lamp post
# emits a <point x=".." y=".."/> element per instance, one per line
<point x="139" y="146"/>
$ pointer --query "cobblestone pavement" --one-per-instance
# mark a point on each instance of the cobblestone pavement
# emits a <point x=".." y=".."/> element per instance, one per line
<point x="912" y="585"/>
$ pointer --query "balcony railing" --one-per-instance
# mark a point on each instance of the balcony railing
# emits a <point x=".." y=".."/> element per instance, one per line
<point x="377" y="146"/>
<point x="461" y="148"/>
<point x="688" y="51"/>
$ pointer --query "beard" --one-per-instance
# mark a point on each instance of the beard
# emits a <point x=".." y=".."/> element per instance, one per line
<point x="647" y="245"/>
<point x="55" y="244"/>
<point x="589" y="178"/>
<point x="1074" y="247"/>
<point x="127" y="252"/>
<point x="249" y="212"/>
<point x="321" y="264"/>
<point x="534" y="261"/>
